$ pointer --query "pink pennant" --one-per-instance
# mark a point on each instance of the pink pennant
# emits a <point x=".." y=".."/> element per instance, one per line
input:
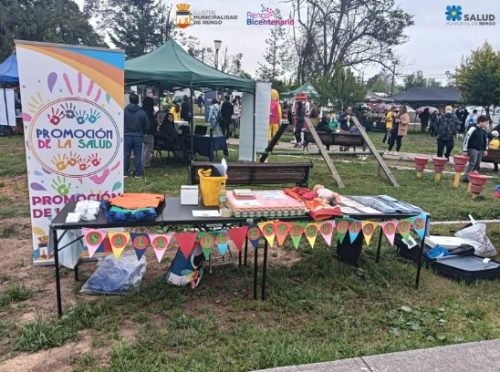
<point x="389" y="229"/>
<point x="160" y="242"/>
<point x="93" y="239"/>
<point x="186" y="242"/>
<point x="326" y="230"/>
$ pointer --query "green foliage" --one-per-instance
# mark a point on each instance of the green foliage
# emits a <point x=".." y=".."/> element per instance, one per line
<point x="342" y="88"/>
<point x="418" y="80"/>
<point x="276" y="54"/>
<point x="478" y="77"/>
<point x="14" y="293"/>
<point x="37" y="335"/>
<point x="379" y="83"/>
<point x="58" y="21"/>
<point x="136" y="26"/>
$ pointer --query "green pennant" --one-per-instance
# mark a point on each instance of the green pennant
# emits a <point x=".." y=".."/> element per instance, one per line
<point x="342" y="228"/>
<point x="296" y="234"/>
<point x="206" y="252"/>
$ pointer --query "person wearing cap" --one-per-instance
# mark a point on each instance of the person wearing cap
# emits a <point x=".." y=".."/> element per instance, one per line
<point x="447" y="127"/>
<point x="475" y="145"/>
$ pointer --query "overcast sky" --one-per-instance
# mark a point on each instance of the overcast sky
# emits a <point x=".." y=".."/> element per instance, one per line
<point x="433" y="46"/>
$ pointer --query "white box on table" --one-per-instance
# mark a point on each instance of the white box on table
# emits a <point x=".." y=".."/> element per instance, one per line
<point x="189" y="195"/>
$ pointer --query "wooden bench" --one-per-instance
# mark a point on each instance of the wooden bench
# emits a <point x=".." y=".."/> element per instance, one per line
<point x="258" y="173"/>
<point x="336" y="139"/>
<point x="493" y="156"/>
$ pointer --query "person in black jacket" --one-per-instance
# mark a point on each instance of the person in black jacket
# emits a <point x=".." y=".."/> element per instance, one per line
<point x="424" y="119"/>
<point x="226" y="113"/>
<point x="185" y="109"/>
<point x="149" y="135"/>
<point x="447" y="127"/>
<point x="136" y="123"/>
<point x="475" y="145"/>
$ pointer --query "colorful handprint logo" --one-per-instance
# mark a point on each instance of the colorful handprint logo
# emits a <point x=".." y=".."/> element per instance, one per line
<point x="60" y="186"/>
<point x="69" y="110"/>
<point x="55" y="116"/>
<point x="94" y="159"/>
<point x="81" y="116"/>
<point x="93" y="116"/>
<point x="60" y="161"/>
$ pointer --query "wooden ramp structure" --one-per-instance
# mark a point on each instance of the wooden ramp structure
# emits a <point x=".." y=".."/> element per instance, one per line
<point x="326" y="155"/>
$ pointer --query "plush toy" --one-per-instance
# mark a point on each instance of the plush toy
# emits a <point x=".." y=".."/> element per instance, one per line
<point x="326" y="194"/>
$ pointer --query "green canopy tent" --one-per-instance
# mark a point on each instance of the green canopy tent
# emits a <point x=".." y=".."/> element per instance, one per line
<point x="173" y="68"/>
<point x="307" y="88"/>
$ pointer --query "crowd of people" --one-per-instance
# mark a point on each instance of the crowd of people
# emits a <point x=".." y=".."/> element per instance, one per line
<point x="153" y="123"/>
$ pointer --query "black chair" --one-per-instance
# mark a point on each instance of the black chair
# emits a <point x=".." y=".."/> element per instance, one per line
<point x="200" y="130"/>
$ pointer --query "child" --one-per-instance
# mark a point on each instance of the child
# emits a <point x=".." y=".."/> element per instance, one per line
<point x="495" y="141"/>
<point x="494" y="145"/>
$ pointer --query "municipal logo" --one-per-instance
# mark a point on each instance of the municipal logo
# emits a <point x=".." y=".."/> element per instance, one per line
<point x="183" y="17"/>
<point x="453" y="13"/>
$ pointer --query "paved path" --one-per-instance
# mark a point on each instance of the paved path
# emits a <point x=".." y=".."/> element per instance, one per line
<point x="481" y="356"/>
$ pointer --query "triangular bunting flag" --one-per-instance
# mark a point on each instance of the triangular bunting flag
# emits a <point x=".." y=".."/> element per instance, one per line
<point x="404" y="228"/>
<point x="118" y="242"/>
<point x="186" y="242"/>
<point x="222" y="242"/>
<point x="389" y="229"/>
<point x="311" y="232"/>
<point x="326" y="231"/>
<point x="342" y="227"/>
<point x="160" y="243"/>
<point x="254" y="234"/>
<point x="267" y="229"/>
<point x="140" y="241"/>
<point x="93" y="239"/>
<point x="368" y="228"/>
<point x="237" y="235"/>
<point x="296" y="234"/>
<point x="207" y="252"/>
<point x="206" y="240"/>
<point x="418" y="224"/>
<point x="354" y="230"/>
<point x="281" y="229"/>
<point x="105" y="246"/>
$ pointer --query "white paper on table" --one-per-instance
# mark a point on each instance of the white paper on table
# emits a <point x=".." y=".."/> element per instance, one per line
<point x="206" y="213"/>
<point x="349" y="210"/>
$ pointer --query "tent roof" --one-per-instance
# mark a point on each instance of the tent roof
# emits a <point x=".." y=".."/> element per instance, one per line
<point x="174" y="67"/>
<point x="8" y="70"/>
<point x="306" y="88"/>
<point x="428" y="95"/>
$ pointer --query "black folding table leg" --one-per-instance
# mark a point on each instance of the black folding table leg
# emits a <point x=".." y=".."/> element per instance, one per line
<point x="379" y="245"/>
<point x="420" y="253"/>
<point x="76" y="272"/>
<point x="264" y="271"/>
<point x="53" y="239"/>
<point x="255" y="272"/>
<point x="239" y="259"/>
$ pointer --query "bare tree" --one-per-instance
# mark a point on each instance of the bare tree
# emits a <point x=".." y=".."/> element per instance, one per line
<point x="348" y="33"/>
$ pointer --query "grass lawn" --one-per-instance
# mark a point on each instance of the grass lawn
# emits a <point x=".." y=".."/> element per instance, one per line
<point x="317" y="309"/>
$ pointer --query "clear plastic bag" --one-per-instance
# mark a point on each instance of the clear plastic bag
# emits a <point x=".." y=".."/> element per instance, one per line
<point x="116" y="276"/>
<point x="477" y="232"/>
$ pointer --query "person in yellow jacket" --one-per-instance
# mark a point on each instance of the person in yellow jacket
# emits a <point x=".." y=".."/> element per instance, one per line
<point x="495" y="141"/>
<point x="275" y="114"/>
<point x="175" y="110"/>
<point x="389" y="119"/>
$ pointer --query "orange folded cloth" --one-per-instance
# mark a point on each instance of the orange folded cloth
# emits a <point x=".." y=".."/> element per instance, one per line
<point x="137" y="200"/>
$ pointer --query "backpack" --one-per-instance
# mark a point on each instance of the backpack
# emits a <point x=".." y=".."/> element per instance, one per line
<point x="184" y="271"/>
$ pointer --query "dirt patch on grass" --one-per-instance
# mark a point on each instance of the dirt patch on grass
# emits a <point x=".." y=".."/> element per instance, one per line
<point x="14" y="187"/>
<point x="56" y="359"/>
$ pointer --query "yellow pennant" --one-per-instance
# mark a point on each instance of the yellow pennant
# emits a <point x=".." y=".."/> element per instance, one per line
<point x="267" y="229"/>
<point x="118" y="241"/>
<point x="311" y="232"/>
<point x="368" y="228"/>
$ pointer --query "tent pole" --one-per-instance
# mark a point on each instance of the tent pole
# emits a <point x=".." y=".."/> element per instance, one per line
<point x="253" y="125"/>
<point x="191" y="92"/>
<point x="6" y="108"/>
